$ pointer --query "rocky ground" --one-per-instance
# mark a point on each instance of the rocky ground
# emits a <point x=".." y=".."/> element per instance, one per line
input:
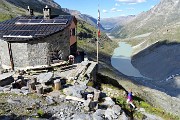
<point x="22" y="98"/>
<point x="76" y="100"/>
<point x="53" y="106"/>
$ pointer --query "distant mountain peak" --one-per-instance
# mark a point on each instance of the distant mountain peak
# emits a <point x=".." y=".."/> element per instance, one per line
<point x="89" y="19"/>
<point x="112" y="22"/>
<point x="72" y="12"/>
<point x="165" y="13"/>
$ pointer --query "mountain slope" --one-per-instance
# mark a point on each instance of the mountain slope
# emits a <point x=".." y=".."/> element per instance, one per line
<point x="166" y="13"/>
<point x="37" y="5"/>
<point x="109" y="23"/>
<point x="9" y="10"/>
<point x="12" y="8"/>
<point x="87" y="18"/>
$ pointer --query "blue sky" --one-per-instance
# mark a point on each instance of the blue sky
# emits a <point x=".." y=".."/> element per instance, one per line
<point x="109" y="8"/>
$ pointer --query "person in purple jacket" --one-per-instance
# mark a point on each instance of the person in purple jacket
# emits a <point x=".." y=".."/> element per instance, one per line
<point x="129" y="99"/>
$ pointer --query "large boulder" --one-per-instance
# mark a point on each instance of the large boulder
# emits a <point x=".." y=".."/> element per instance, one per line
<point x="44" y="77"/>
<point x="99" y="114"/>
<point x="108" y="102"/>
<point x="6" y="79"/>
<point x="116" y="109"/>
<point x="123" y="116"/>
<point x="75" y="90"/>
<point x="109" y="114"/>
<point x="113" y="113"/>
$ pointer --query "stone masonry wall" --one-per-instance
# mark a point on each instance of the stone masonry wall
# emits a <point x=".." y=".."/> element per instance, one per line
<point x="60" y="42"/>
<point x="20" y="56"/>
<point x="4" y="53"/>
<point x="37" y="53"/>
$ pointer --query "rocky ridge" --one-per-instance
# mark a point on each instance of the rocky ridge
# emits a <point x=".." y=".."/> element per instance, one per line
<point x="112" y="23"/>
<point x="164" y="14"/>
<point x="87" y="18"/>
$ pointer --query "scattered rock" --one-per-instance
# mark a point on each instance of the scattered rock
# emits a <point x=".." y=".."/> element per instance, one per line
<point x="109" y="114"/>
<point x="6" y="75"/>
<point x="74" y="98"/>
<point x="123" y="116"/>
<point x="50" y="100"/>
<point x="7" y="89"/>
<point x="108" y="102"/>
<point x="1" y="89"/>
<point x="13" y="101"/>
<point x="99" y="114"/>
<point x="25" y="92"/>
<point x="44" y="77"/>
<point x="151" y="117"/>
<point x="75" y="90"/>
<point x="25" y="88"/>
<point x="81" y="116"/>
<point x="16" y="91"/>
<point x="116" y="109"/>
<point x="6" y="79"/>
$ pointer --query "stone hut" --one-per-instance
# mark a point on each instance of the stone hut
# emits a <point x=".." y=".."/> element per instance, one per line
<point x="37" y="41"/>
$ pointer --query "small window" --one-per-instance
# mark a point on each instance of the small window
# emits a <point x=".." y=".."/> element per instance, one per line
<point x="73" y="32"/>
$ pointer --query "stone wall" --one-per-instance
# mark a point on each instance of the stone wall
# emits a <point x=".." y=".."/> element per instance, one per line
<point x="20" y="55"/>
<point x="60" y="43"/>
<point x="40" y="51"/>
<point x="4" y="53"/>
<point x="37" y="53"/>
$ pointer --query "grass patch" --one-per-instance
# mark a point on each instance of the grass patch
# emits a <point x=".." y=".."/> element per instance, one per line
<point x="40" y="113"/>
<point x="4" y="17"/>
<point x="90" y="83"/>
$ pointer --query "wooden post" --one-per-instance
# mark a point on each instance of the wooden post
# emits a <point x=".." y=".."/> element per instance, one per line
<point x="57" y="84"/>
<point x="39" y="89"/>
<point x="34" y="80"/>
<point x="31" y="86"/>
<point x="96" y="95"/>
<point x="10" y="55"/>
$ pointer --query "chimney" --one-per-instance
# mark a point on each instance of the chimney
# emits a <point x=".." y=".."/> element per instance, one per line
<point x="30" y="11"/>
<point x="47" y="12"/>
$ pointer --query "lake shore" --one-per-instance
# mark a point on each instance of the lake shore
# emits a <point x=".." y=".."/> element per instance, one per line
<point x="121" y="60"/>
<point x="147" y="89"/>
